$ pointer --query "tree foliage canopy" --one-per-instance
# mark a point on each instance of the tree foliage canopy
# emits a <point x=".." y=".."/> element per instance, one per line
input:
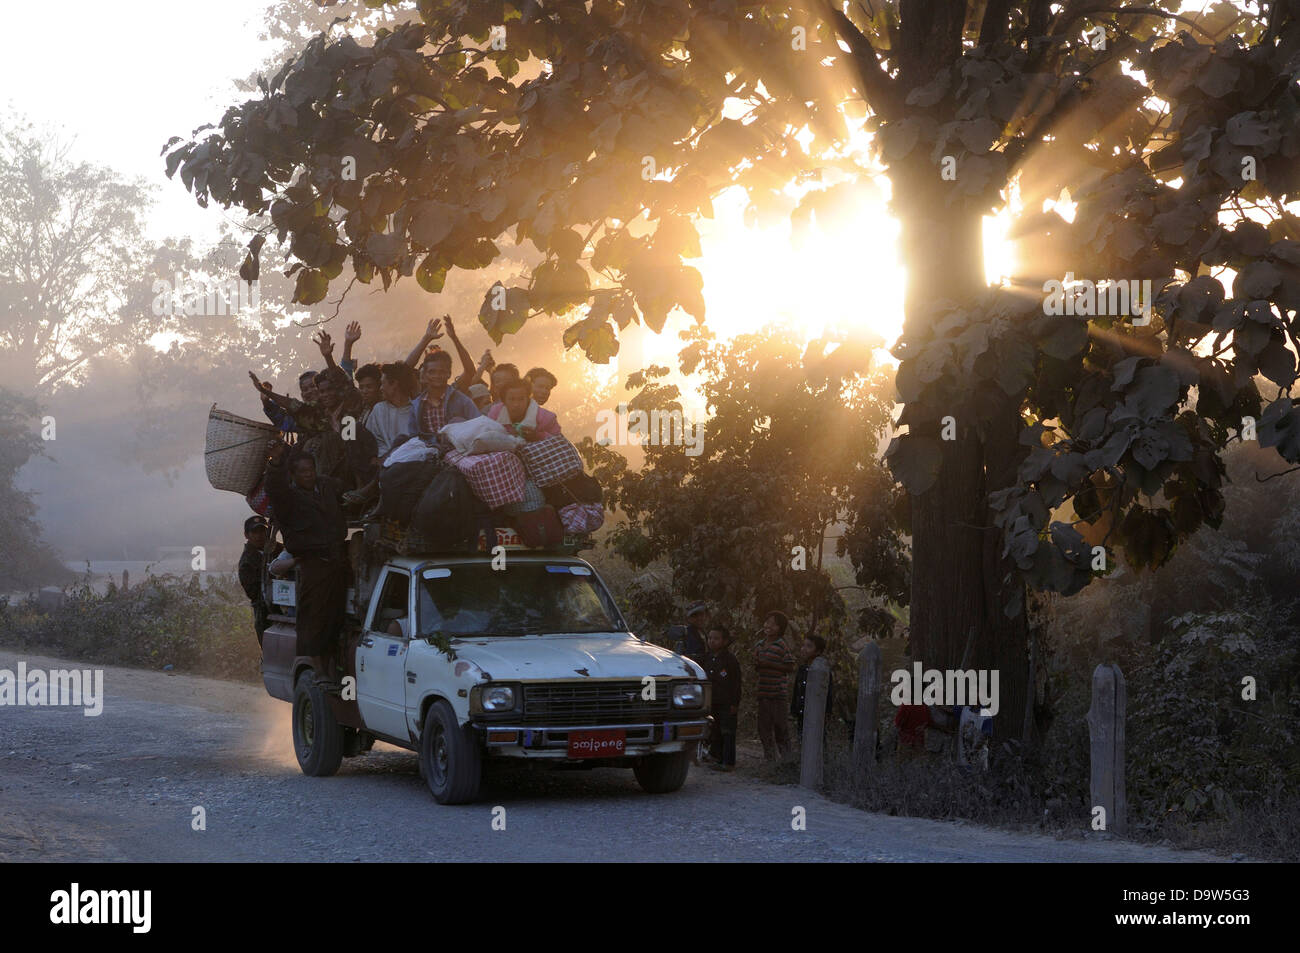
<point x="788" y="452"/>
<point x="598" y="132"/>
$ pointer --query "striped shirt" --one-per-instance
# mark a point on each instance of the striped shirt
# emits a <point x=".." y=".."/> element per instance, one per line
<point x="775" y="663"/>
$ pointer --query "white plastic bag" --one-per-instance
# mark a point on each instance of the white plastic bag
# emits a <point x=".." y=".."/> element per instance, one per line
<point x="414" y="450"/>
<point x="481" y="435"/>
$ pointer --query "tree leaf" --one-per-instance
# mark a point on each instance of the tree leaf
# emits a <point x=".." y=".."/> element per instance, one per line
<point x="915" y="462"/>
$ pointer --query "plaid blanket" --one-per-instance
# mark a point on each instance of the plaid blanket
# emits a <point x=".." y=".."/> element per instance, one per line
<point x="496" y="478"/>
<point x="551" y="460"/>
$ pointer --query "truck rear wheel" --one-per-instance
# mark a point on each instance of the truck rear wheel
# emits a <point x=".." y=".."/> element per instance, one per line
<point x="662" y="773"/>
<point x="317" y="737"/>
<point x="450" y="760"/>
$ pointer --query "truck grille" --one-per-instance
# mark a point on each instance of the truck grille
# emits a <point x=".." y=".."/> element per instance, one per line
<point x="595" y="703"/>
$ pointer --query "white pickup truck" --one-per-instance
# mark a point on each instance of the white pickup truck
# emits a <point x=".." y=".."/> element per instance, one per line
<point x="461" y="662"/>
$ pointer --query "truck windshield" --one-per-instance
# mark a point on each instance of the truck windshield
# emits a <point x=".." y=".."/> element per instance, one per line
<point x="523" y="599"/>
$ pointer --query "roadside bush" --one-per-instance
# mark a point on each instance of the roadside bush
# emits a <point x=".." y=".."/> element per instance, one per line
<point x="164" y="620"/>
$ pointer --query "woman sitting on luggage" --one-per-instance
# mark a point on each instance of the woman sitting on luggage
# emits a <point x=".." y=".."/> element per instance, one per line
<point x="520" y="413"/>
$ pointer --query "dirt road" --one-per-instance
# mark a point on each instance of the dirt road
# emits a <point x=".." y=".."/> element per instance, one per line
<point x="125" y="786"/>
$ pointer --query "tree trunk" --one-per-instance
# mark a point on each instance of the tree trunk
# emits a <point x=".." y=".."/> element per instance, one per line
<point x="957" y="569"/>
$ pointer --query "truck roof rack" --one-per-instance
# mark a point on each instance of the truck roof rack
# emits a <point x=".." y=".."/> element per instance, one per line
<point x="404" y="541"/>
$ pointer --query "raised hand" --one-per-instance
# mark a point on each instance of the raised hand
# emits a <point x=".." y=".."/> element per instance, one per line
<point x="353" y="333"/>
<point x="486" y="362"/>
<point x="263" y="387"/>
<point x="434" y="330"/>
<point x="325" y="344"/>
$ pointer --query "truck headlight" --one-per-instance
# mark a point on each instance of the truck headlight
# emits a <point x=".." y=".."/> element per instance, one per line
<point x="497" y="698"/>
<point x="688" y="695"/>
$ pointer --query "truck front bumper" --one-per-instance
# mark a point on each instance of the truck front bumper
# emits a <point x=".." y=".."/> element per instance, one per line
<point x="552" y="743"/>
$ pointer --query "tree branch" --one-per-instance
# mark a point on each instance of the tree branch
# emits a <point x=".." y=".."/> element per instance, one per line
<point x="878" y="86"/>
<point x="1130" y="11"/>
<point x="994" y="26"/>
<point x="1280" y="473"/>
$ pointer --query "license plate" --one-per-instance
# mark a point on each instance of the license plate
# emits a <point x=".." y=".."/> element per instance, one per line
<point x="597" y="744"/>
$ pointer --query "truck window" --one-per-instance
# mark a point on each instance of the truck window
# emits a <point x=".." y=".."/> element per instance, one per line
<point x="524" y="599"/>
<point x="391" y="610"/>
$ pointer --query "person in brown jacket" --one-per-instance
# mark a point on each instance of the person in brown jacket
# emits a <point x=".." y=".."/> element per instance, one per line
<point x="309" y="511"/>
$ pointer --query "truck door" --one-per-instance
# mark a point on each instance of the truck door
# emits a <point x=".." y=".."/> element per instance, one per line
<point x="381" y="655"/>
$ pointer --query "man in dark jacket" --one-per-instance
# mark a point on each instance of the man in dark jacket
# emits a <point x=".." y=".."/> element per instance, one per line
<point x="309" y="512"/>
<point x="813" y="647"/>
<point x="724" y="675"/>
<point x="250" y="570"/>
<point x="689" y="639"/>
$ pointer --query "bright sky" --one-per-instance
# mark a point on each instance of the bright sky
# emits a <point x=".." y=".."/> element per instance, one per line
<point x="122" y="79"/>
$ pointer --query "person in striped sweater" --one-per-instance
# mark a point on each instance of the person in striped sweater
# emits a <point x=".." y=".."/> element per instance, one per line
<point x="774" y="663"/>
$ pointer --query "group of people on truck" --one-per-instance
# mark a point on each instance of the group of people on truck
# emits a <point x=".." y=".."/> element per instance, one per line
<point x="708" y="643"/>
<point x="346" y="422"/>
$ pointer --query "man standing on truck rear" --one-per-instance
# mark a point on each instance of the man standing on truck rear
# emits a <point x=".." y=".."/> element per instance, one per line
<point x="309" y="511"/>
<point x="250" y="571"/>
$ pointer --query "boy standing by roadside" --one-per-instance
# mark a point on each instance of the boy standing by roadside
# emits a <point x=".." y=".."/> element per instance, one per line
<point x="774" y="663"/>
<point x="724" y="675"/>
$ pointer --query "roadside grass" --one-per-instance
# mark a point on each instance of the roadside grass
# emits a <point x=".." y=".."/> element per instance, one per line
<point x="164" y="620"/>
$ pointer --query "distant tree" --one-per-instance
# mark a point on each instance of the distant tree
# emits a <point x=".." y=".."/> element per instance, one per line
<point x="24" y="560"/>
<point x="72" y="260"/>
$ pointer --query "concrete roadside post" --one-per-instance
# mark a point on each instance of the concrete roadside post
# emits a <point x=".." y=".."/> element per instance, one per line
<point x="1106" y="730"/>
<point x="864" y="731"/>
<point x="812" y="757"/>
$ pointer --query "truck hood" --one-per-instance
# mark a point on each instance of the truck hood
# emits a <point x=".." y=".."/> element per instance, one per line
<point x="572" y="656"/>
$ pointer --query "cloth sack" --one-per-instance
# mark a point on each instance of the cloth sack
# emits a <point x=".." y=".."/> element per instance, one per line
<point x="258" y="501"/>
<point x="412" y="451"/>
<point x="480" y="435"/>
<point x="582" y="488"/>
<point x="444" y="517"/>
<point x="582" y="518"/>
<point x="551" y="460"/>
<point x="533" y="500"/>
<point x="496" y="478"/>
<point x="540" y="529"/>
<point x="400" y="488"/>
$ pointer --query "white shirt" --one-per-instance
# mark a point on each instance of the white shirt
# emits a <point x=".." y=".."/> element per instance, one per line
<point x="387" y="423"/>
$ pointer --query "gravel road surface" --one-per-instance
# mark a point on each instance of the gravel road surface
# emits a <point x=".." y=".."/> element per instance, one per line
<point x="123" y="786"/>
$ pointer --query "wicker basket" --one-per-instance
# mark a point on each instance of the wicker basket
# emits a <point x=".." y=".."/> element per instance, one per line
<point x="235" y="456"/>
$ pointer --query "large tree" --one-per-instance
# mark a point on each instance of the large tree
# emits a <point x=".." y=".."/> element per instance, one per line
<point x="599" y="130"/>
<point x="72" y="259"/>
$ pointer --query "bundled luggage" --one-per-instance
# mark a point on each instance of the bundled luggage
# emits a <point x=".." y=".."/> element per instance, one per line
<point x="496" y="478"/>
<point x="401" y="486"/>
<point x="445" y="517"/>
<point x="482" y="486"/>
<point x="551" y="460"/>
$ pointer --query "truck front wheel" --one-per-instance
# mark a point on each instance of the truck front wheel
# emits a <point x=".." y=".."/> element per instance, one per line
<point x="317" y="737"/>
<point x="450" y="760"/>
<point x="662" y="773"/>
